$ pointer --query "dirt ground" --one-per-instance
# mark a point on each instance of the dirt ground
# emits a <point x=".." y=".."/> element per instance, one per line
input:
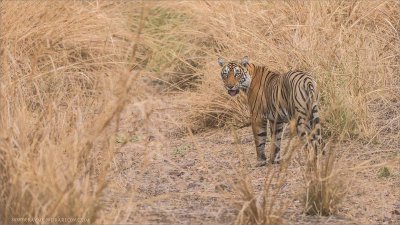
<point x="171" y="177"/>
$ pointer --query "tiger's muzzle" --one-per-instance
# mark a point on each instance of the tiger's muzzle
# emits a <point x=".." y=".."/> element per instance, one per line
<point x="233" y="92"/>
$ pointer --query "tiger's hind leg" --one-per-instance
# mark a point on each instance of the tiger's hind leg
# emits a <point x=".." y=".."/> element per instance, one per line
<point x="316" y="137"/>
<point x="309" y="129"/>
<point x="276" y="134"/>
<point x="303" y="128"/>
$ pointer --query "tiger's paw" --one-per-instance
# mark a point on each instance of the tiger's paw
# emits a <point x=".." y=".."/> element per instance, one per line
<point x="261" y="163"/>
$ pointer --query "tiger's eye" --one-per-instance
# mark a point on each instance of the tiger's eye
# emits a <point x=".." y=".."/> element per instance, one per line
<point x="224" y="73"/>
<point x="237" y="72"/>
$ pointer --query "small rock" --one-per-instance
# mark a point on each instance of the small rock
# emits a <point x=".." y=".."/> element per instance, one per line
<point x="188" y="164"/>
<point x="151" y="138"/>
<point x="221" y="187"/>
<point x="176" y="173"/>
<point x="395" y="212"/>
<point x="192" y="185"/>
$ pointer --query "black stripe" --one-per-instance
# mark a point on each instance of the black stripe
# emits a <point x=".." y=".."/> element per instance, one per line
<point x="296" y="87"/>
<point x="260" y="145"/>
<point x="263" y="134"/>
<point x="302" y="96"/>
<point x="291" y="81"/>
<point x="298" y="110"/>
<point x="314" y="110"/>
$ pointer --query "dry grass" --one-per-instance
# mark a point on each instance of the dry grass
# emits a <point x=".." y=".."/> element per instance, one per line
<point x="64" y="80"/>
<point x="324" y="186"/>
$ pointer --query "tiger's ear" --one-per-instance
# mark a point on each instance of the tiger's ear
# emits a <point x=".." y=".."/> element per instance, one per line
<point x="245" y="61"/>
<point x="221" y="61"/>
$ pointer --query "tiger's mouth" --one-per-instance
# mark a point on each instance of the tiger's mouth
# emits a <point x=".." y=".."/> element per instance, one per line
<point x="233" y="92"/>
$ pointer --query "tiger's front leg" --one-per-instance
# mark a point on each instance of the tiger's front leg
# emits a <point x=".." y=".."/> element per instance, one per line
<point x="260" y="133"/>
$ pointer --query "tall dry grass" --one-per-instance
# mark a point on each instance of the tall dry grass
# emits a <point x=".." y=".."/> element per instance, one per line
<point x="171" y="48"/>
<point x="324" y="185"/>
<point x="351" y="48"/>
<point x="64" y="81"/>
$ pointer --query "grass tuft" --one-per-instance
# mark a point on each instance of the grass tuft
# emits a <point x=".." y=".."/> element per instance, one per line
<point x="324" y="186"/>
<point x="384" y="172"/>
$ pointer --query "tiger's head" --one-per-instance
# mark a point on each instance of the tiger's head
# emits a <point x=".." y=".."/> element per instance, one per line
<point x="235" y="75"/>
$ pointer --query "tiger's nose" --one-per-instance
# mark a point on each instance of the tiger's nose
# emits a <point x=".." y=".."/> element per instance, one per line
<point x="229" y="86"/>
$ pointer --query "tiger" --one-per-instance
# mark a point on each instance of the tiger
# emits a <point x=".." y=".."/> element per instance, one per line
<point x="275" y="98"/>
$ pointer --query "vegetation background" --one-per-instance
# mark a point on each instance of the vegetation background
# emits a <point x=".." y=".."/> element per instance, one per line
<point x="113" y="111"/>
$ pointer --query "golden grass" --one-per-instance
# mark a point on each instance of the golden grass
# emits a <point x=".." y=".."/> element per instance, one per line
<point x="64" y="81"/>
<point x="324" y="186"/>
<point x="69" y="68"/>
